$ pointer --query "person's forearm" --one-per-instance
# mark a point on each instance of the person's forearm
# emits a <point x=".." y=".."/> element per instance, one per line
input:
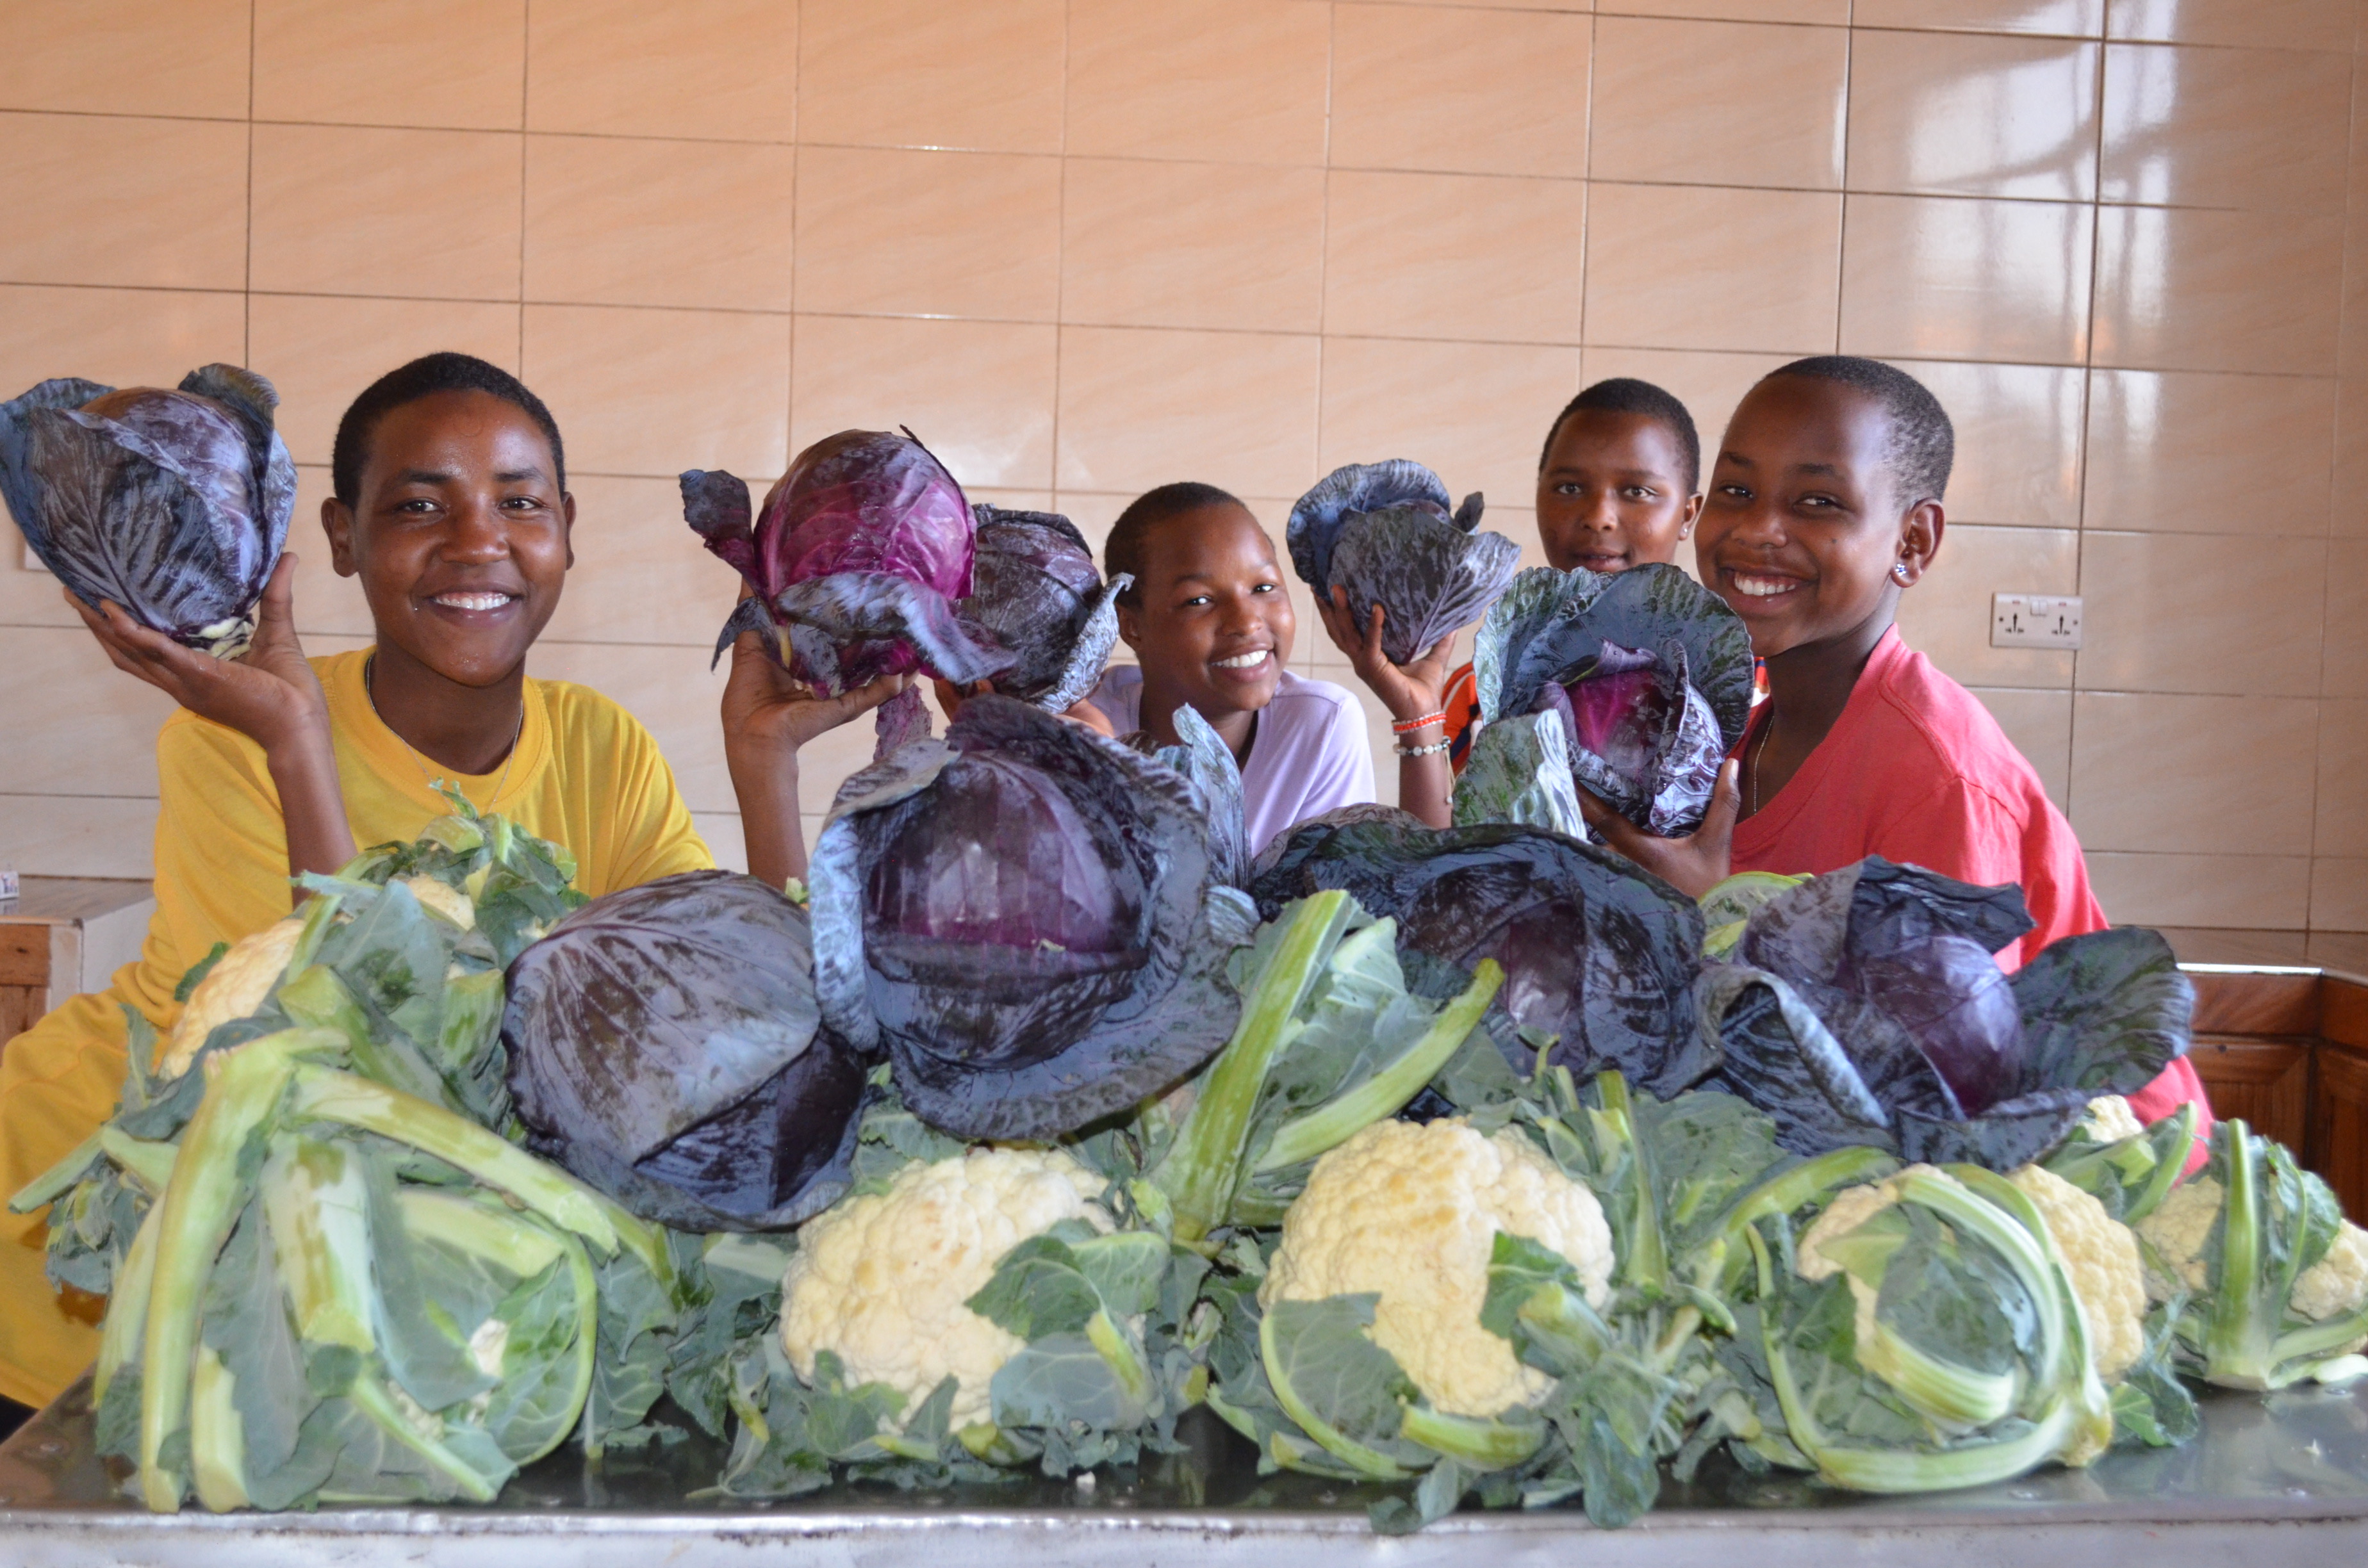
<point x="766" y="785"/>
<point x="312" y="808"/>
<point x="1425" y="783"/>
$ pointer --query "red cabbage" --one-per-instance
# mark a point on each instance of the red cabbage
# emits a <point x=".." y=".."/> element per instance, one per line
<point x="1383" y="532"/>
<point x="1038" y="595"/>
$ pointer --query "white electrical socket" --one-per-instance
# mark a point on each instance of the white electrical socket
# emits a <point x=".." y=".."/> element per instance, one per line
<point x="2034" y="620"/>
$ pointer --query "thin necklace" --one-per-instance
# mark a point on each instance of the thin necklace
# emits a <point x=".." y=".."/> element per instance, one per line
<point x="1758" y="755"/>
<point x="370" y="691"/>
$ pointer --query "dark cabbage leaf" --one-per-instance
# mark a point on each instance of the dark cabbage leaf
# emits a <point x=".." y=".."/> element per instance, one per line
<point x="1037" y="594"/>
<point x="1863" y="1006"/>
<point x="1207" y="764"/>
<point x="854" y="567"/>
<point x="1026" y="918"/>
<point x="1648" y="671"/>
<point x="1383" y="532"/>
<point x="665" y="1046"/>
<point x="1595" y="952"/>
<point x="174" y="505"/>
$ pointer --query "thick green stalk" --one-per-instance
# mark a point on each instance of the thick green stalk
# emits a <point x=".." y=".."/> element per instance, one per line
<point x="127" y="1306"/>
<point x="217" y="1434"/>
<point x="1117" y="1349"/>
<point x="1475" y="1440"/>
<point x="1204" y="1164"/>
<point x="316" y="1209"/>
<point x="147" y="1162"/>
<point x="2237" y="1342"/>
<point x="53" y="1183"/>
<point x="1789" y="1190"/>
<point x="1365" y="1462"/>
<point x="1646" y="1265"/>
<point x="1948" y="1394"/>
<point x="1387" y="1091"/>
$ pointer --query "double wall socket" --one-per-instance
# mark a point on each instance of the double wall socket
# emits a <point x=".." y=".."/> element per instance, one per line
<point x="2034" y="620"/>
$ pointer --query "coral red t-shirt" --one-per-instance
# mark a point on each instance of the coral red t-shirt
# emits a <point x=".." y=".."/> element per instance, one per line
<point x="1916" y="771"/>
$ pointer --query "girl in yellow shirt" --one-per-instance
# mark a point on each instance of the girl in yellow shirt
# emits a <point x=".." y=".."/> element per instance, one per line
<point x="451" y="506"/>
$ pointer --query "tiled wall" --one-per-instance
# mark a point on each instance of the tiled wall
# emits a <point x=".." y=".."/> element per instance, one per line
<point x="1085" y="246"/>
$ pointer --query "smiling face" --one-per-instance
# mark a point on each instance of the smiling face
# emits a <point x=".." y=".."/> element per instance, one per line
<point x="1613" y="492"/>
<point x="1803" y="523"/>
<point x="459" y="533"/>
<point x="1211" y="622"/>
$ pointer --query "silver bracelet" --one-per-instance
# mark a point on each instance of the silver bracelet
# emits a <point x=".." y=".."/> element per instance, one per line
<point x="1432" y="750"/>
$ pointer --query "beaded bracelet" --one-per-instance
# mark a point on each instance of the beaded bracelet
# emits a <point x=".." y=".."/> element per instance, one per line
<point x="1408" y="726"/>
<point x="1432" y="750"/>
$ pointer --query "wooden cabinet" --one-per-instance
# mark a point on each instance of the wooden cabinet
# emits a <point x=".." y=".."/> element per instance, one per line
<point x="65" y="935"/>
<point x="2287" y="1050"/>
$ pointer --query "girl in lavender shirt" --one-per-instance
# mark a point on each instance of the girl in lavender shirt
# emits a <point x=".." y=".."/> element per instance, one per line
<point x="1210" y="625"/>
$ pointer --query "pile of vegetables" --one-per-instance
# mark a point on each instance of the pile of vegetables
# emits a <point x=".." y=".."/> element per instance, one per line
<point x="172" y="504"/>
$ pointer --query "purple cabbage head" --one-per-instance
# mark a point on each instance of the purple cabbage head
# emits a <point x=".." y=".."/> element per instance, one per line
<point x="1036" y="593"/>
<point x="665" y="1046"/>
<point x="854" y="565"/>
<point x="1599" y="958"/>
<point x="1864" y="1007"/>
<point x="1647" y="674"/>
<point x="1384" y="532"/>
<point x="1025" y="916"/>
<point x="174" y="505"/>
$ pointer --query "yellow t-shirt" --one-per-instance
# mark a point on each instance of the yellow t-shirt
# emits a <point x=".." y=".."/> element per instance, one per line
<point x="587" y="775"/>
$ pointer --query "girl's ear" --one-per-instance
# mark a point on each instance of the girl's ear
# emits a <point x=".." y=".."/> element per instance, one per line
<point x="1920" y="541"/>
<point x="1691" y="514"/>
<point x="1130" y="625"/>
<point x="567" y="525"/>
<point x="337" y="522"/>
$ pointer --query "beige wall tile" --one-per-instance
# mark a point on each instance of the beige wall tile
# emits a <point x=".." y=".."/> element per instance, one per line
<point x="1476" y="413"/>
<point x="2338" y="895"/>
<point x="1965" y="114"/>
<point x="101" y="738"/>
<point x="322" y="352"/>
<point x="1833" y="13"/>
<point x="2342" y="804"/>
<point x="2040" y="725"/>
<point x="641" y="575"/>
<point x="121" y="336"/>
<point x="1940" y="277"/>
<point x="2198" y="613"/>
<point x="2286" y="24"/>
<point x="1946" y="616"/>
<point x="1474" y="92"/>
<point x="2188" y="289"/>
<point x="1232" y="81"/>
<point x="2249" y="892"/>
<point x="2180" y="452"/>
<point x="924" y="74"/>
<point x="2348" y="518"/>
<point x="928" y="234"/>
<point x="1670" y="267"/>
<point x="2077" y="18"/>
<point x="1709" y="384"/>
<point x="2261" y="128"/>
<point x="460" y="64"/>
<point x="1718" y="103"/>
<point x="2344" y="667"/>
<point x="2161" y="774"/>
<point x="712" y="68"/>
<point x="166" y="57"/>
<point x="980" y="394"/>
<point x="340" y="210"/>
<point x="615" y="222"/>
<point x="657" y="392"/>
<point x="331" y="611"/>
<point x="151" y="203"/>
<point x="1141" y="244"/>
<point x="725" y="841"/>
<point x="1140" y="408"/>
<point x="1455" y="256"/>
<point x="2018" y="444"/>
<point x="79" y="835"/>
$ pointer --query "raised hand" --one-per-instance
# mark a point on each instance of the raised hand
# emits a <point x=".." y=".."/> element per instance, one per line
<point x="1692" y="865"/>
<point x="1408" y="692"/>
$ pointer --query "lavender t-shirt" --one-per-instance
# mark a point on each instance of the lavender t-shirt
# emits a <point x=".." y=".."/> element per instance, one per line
<point x="1308" y="754"/>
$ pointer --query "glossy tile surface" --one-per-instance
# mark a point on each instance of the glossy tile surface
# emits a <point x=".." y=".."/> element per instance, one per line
<point x="641" y="575"/>
<point x="1939" y="277"/>
<point x="108" y="732"/>
<point x="1718" y="103"/>
<point x="1962" y="114"/>
<point x="1455" y="256"/>
<point x="980" y="394"/>
<point x="1140" y="408"/>
<point x="1476" y="412"/>
<point x="2257" y="128"/>
<point x="2179" y="452"/>
<point x="1137" y="247"/>
<point x="2075" y="18"/>
<point x="2190" y="613"/>
<point x="1471" y="92"/>
<point x="2285" y="24"/>
<point x="152" y="204"/>
<point x="121" y="336"/>
<point x="2040" y="725"/>
<point x="1233" y="81"/>
<point x="1946" y="615"/>
<point x="722" y="69"/>
<point x="344" y="209"/>
<point x="657" y="392"/>
<point x="919" y="73"/>
<point x="321" y="352"/>
<point x="2017" y="438"/>
<point x="457" y="64"/>
<point x="2158" y="774"/>
<point x="79" y="835"/>
<point x="161" y="57"/>
<point x="2343" y="802"/>
<point x="2254" y="892"/>
<point x="1677" y="268"/>
<point x="2192" y="289"/>
<point x="1709" y="384"/>
<point x="613" y="221"/>
<point x="928" y="234"/>
<point x="1832" y="13"/>
<point x="2338" y="895"/>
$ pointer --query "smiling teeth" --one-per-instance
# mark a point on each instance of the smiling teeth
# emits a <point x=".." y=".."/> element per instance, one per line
<point x="1764" y="588"/>
<point x="473" y="601"/>
<point x="1243" y="661"/>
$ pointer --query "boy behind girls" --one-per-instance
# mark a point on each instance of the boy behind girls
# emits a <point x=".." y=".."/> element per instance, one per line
<point x="1824" y="507"/>
<point x="1211" y="624"/>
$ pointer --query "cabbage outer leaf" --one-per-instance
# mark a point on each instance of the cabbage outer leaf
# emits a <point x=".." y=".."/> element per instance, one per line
<point x="1519" y="771"/>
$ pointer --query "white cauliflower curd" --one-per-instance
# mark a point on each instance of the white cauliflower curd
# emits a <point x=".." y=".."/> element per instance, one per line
<point x="1412" y="1212"/>
<point x="881" y="1280"/>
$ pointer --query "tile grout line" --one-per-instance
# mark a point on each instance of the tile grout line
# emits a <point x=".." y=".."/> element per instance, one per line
<point x="526" y="77"/>
<point x="247" y="287"/>
<point x="2088" y="378"/>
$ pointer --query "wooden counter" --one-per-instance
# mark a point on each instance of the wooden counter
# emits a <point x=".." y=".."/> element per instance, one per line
<point x="65" y="935"/>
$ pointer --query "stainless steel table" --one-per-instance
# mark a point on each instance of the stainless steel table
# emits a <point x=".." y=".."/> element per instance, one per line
<point x="2269" y="1481"/>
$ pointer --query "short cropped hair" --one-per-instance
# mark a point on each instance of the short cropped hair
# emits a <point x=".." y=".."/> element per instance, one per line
<point x="1626" y="394"/>
<point x="1923" y="444"/>
<point x="1130" y="536"/>
<point x="425" y="376"/>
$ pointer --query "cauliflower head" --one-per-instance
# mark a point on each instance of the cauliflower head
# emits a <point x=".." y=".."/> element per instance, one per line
<point x="1411" y="1213"/>
<point x="2337" y="1283"/>
<point x="2109" y="1119"/>
<point x="2101" y="1253"/>
<point x="443" y="901"/>
<point x="237" y="985"/>
<point x="2178" y="1231"/>
<point x="881" y="1280"/>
